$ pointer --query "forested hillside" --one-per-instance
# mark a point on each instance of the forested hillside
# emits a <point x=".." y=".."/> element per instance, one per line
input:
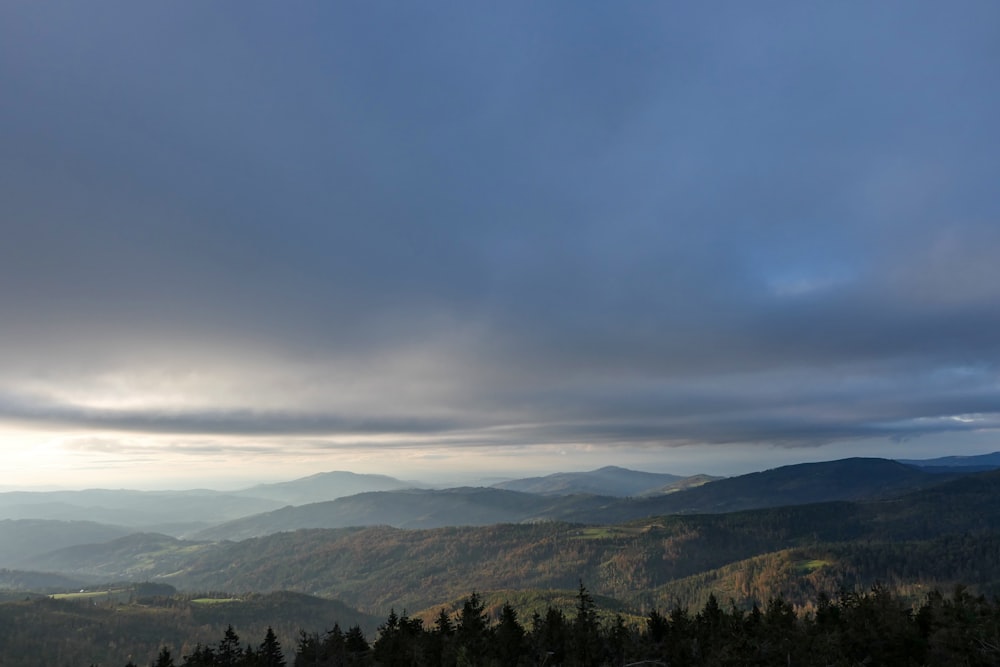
<point x="908" y="540"/>
<point x="873" y="627"/>
<point x="98" y="629"/>
<point x="412" y="508"/>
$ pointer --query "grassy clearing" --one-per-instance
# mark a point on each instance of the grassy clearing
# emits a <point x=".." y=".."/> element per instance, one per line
<point x="90" y="595"/>
<point x="807" y="566"/>
<point x="601" y="533"/>
<point x="214" y="600"/>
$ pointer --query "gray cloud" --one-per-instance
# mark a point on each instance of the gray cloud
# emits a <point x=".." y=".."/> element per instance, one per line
<point x="224" y="422"/>
<point x="515" y="224"/>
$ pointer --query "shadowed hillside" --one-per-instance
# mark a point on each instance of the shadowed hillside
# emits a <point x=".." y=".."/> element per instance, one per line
<point x="21" y="541"/>
<point x="607" y="481"/>
<point x="70" y="632"/>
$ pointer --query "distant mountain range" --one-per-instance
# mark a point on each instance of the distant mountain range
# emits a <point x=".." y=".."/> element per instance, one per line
<point x="934" y="536"/>
<point x="980" y="462"/>
<point x="182" y="513"/>
<point x="35" y="523"/>
<point x="325" y="486"/>
<point x="803" y="483"/>
<point x="196" y="512"/>
<point x="607" y="481"/>
<point x="847" y="479"/>
<point x="170" y="512"/>
<point x="22" y="540"/>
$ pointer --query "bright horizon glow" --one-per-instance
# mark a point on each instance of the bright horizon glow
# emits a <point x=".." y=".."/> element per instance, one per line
<point x="71" y="461"/>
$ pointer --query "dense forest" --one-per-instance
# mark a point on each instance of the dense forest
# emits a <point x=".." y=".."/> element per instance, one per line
<point x="868" y="628"/>
<point x="111" y="627"/>
<point x="874" y="627"/>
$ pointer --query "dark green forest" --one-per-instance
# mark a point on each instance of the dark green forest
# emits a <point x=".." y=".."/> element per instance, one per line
<point x="874" y="627"/>
<point x="115" y="626"/>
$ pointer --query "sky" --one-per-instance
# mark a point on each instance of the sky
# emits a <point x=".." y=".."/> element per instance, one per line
<point x="249" y="241"/>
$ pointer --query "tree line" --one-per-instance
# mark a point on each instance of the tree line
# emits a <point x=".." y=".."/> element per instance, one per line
<point x="876" y="627"/>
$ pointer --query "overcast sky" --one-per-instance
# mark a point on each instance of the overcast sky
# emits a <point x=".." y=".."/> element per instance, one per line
<point x="247" y="241"/>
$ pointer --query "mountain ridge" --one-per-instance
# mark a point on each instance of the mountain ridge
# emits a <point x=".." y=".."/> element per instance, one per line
<point x="374" y="568"/>
<point x="325" y="486"/>
<point x="844" y="479"/>
<point x="606" y="481"/>
<point x="981" y="462"/>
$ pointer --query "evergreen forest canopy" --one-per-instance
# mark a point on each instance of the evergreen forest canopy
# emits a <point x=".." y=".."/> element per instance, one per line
<point x="875" y="627"/>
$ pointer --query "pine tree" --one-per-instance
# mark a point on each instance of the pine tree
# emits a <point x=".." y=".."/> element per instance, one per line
<point x="587" y="649"/>
<point x="164" y="659"/>
<point x="202" y="656"/>
<point x="332" y="650"/>
<point x="229" y="653"/>
<point x="549" y="637"/>
<point x="471" y="635"/>
<point x="269" y="654"/>
<point x="355" y="642"/>
<point x="309" y="650"/>
<point x="441" y="642"/>
<point x="443" y="625"/>
<point x="399" y="641"/>
<point x="619" y="638"/>
<point x="509" y="635"/>
<point x="472" y="620"/>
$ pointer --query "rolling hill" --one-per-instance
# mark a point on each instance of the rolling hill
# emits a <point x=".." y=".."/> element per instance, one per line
<point x="848" y="479"/>
<point x="607" y="481"/>
<point x="845" y="479"/>
<point x="977" y="463"/>
<point x="374" y="568"/>
<point x="325" y="486"/>
<point x="183" y="513"/>
<point x="15" y="584"/>
<point x="412" y="508"/>
<point x="22" y="540"/>
<point x="172" y="512"/>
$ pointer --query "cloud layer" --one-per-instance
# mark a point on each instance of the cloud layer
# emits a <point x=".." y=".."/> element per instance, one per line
<point x="520" y="224"/>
